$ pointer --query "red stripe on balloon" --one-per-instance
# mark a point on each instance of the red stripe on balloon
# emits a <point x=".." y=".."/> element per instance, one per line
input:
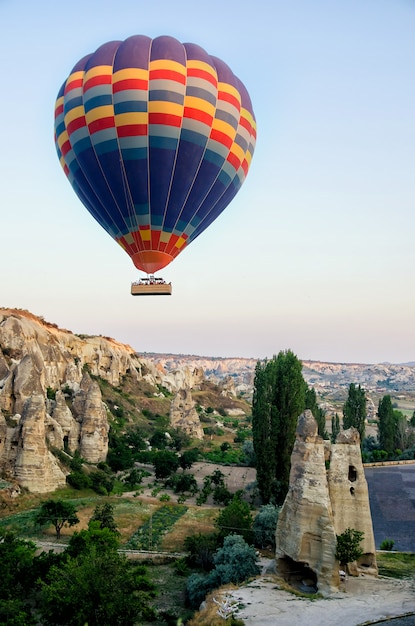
<point x="101" y="124"/>
<point x="168" y="75"/>
<point x="74" y="84"/>
<point x="131" y="83"/>
<point x="66" y="147"/>
<point x="77" y="123"/>
<point x="233" y="160"/>
<point x="222" y="138"/>
<point x="132" y="130"/>
<point x="103" y="79"/>
<point x="197" y="114"/>
<point x="197" y="73"/>
<point x="228" y="97"/>
<point x="165" y="119"/>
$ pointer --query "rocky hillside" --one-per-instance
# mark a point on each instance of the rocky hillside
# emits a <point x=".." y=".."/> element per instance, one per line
<point x="330" y="380"/>
<point x="59" y="391"/>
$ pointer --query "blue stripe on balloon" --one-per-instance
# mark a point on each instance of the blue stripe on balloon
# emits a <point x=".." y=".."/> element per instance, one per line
<point x="98" y="101"/>
<point x="130" y="106"/>
<point x="165" y="95"/>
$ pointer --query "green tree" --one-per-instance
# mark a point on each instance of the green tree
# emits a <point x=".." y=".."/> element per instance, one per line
<point x="165" y="463"/>
<point x="201" y="549"/>
<point x="104" y="514"/>
<point x="265" y="525"/>
<point x="402" y="435"/>
<point x="318" y="413"/>
<point x="278" y="400"/>
<point x="99" y="587"/>
<point x="335" y="427"/>
<point x="234" y="563"/>
<point x="354" y="410"/>
<point x="16" y="580"/>
<point x="60" y="513"/>
<point x="188" y="457"/>
<point x="236" y="517"/>
<point x="348" y="547"/>
<point x="386" y="425"/>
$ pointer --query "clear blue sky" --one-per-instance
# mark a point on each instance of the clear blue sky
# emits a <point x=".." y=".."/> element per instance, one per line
<point x="317" y="251"/>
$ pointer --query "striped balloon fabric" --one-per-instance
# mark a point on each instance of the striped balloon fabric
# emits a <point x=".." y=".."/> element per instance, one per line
<point x="156" y="137"/>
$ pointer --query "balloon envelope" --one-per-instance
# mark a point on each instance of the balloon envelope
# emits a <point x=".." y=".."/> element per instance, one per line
<point x="156" y="137"/>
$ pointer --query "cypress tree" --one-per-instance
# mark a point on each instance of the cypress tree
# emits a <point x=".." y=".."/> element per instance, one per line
<point x="386" y="425"/>
<point x="354" y="410"/>
<point x="279" y="398"/>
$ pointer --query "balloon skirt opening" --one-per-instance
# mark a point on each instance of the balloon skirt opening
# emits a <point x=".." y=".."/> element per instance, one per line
<point x="151" y="261"/>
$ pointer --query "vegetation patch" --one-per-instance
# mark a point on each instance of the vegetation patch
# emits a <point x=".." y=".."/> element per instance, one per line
<point x="195" y="520"/>
<point x="396" y="564"/>
<point x="150" y="535"/>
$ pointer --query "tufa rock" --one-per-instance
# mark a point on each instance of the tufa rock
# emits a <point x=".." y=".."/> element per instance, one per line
<point x="320" y="505"/>
<point x="183" y="414"/>
<point x="349" y="496"/>
<point x="305" y="536"/>
<point x="35" y="467"/>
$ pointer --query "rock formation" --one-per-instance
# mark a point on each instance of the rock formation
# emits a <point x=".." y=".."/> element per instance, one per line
<point x="321" y="505"/>
<point x="183" y="414"/>
<point x="49" y="398"/>
<point x="35" y="467"/>
<point x="349" y="497"/>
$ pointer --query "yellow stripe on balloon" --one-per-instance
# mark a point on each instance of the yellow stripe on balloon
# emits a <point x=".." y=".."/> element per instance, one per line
<point x="99" y="113"/>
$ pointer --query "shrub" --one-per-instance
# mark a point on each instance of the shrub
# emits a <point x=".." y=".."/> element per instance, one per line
<point x="197" y="586"/>
<point x="235" y="518"/>
<point x="348" y="546"/>
<point x="50" y="393"/>
<point x="165" y="463"/>
<point x="387" y="544"/>
<point x="101" y="483"/>
<point x="235" y="561"/>
<point x="264" y="526"/>
<point x="79" y="480"/>
<point x="201" y="549"/>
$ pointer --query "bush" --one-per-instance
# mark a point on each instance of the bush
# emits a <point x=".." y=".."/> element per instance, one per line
<point x="387" y="544"/>
<point x="165" y="463"/>
<point x="79" y="480"/>
<point x="201" y="549"/>
<point x="235" y="518"/>
<point x="235" y="561"/>
<point x="264" y="526"/>
<point x="197" y="586"/>
<point x="102" y="483"/>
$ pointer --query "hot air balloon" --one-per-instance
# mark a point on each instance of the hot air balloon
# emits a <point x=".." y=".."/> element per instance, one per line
<point x="156" y="137"/>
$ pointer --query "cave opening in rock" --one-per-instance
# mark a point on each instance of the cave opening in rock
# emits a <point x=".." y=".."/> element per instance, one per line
<point x="352" y="473"/>
<point x="298" y="574"/>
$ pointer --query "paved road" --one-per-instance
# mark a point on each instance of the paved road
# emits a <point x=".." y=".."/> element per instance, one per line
<point x="392" y="504"/>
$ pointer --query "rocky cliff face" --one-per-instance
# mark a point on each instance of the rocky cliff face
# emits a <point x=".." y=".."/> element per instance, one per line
<point x="49" y="400"/>
<point x="321" y="505"/>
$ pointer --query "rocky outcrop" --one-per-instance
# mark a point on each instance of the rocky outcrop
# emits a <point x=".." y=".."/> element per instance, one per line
<point x="305" y="533"/>
<point x="47" y="390"/>
<point x="48" y="399"/>
<point x="35" y="467"/>
<point x="321" y="505"/>
<point x="183" y="414"/>
<point x="184" y="378"/>
<point x="349" y="497"/>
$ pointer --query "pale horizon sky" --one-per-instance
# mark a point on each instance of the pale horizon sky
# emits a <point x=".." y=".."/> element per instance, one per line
<point x="315" y="254"/>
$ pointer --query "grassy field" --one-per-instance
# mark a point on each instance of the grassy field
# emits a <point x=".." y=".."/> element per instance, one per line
<point x="396" y="564"/>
